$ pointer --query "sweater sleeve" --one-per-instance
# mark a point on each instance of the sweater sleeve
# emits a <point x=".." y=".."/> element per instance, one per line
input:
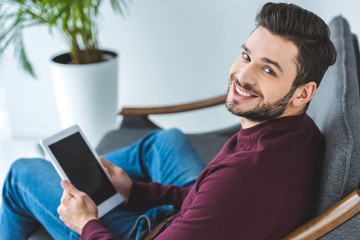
<point x="94" y="230"/>
<point x="147" y="195"/>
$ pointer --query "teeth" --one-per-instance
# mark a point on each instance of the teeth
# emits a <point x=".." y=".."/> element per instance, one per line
<point x="242" y="93"/>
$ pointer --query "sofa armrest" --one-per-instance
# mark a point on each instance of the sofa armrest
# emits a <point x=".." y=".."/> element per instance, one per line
<point x="129" y="111"/>
<point x="328" y="220"/>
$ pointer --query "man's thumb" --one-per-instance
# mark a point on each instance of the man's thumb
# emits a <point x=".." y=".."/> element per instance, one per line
<point x="108" y="165"/>
<point x="69" y="188"/>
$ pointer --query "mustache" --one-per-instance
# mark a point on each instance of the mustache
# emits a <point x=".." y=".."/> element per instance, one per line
<point x="245" y="86"/>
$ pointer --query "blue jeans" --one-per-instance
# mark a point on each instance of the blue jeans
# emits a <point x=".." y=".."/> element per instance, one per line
<point x="32" y="190"/>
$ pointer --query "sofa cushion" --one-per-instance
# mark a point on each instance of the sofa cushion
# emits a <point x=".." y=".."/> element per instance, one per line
<point x="40" y="234"/>
<point x="336" y="110"/>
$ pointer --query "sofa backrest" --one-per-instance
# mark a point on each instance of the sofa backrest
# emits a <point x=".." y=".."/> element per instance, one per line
<point x="335" y="109"/>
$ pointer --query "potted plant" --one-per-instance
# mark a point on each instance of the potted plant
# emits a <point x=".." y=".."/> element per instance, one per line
<point x="85" y="78"/>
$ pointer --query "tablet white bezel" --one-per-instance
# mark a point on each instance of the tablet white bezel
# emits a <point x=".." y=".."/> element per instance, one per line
<point x="106" y="205"/>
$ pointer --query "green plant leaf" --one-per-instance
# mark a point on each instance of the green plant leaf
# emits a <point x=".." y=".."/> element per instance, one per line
<point x="20" y="51"/>
<point x="75" y="20"/>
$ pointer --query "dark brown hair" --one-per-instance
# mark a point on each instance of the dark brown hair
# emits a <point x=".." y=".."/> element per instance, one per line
<point x="308" y="32"/>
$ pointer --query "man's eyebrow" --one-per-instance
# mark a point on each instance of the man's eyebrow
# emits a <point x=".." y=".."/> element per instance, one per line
<point x="267" y="60"/>
<point x="276" y="64"/>
<point x="246" y="48"/>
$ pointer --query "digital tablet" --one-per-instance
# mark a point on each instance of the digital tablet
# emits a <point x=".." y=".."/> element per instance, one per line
<point x="76" y="161"/>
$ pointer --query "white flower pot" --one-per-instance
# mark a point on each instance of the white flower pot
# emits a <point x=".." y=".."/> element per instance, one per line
<point x="86" y="94"/>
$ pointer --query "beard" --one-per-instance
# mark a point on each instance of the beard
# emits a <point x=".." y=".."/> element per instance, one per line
<point x="262" y="112"/>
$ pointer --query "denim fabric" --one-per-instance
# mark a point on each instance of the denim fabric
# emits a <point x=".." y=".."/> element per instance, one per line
<point x="32" y="190"/>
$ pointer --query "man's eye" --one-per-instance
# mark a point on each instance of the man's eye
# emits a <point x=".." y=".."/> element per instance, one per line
<point x="246" y="56"/>
<point x="270" y="71"/>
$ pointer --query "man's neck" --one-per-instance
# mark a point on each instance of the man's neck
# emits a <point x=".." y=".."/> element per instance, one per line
<point x="246" y="123"/>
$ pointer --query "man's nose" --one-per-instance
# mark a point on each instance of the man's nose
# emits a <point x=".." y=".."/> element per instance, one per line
<point x="246" y="75"/>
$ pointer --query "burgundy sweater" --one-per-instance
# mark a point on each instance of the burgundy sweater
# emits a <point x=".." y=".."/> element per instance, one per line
<point x="261" y="185"/>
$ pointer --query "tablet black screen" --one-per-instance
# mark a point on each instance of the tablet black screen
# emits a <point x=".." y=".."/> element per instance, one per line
<point x="82" y="168"/>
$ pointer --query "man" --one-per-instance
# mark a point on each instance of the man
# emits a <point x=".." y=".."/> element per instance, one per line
<point x="261" y="185"/>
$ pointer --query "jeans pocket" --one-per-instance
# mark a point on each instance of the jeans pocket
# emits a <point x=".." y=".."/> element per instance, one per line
<point x="146" y="222"/>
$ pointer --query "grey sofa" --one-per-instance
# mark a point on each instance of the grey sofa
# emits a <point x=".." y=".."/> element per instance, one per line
<point x="335" y="109"/>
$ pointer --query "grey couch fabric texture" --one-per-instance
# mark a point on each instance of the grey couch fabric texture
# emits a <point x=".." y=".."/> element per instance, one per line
<point x="336" y="110"/>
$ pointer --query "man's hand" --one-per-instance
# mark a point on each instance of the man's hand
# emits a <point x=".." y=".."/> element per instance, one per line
<point x="119" y="178"/>
<point x="76" y="207"/>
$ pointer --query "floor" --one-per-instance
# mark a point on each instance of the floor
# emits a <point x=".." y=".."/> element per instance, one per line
<point x="12" y="149"/>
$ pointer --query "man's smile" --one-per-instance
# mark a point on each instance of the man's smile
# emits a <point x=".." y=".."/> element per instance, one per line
<point x="242" y="94"/>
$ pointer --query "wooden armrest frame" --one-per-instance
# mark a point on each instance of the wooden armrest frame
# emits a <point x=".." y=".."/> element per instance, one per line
<point x="328" y="220"/>
<point x="127" y="111"/>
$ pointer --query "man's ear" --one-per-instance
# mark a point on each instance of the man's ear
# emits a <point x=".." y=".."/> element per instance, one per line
<point x="303" y="94"/>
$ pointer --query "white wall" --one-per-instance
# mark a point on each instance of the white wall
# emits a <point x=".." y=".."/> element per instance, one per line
<point x="171" y="52"/>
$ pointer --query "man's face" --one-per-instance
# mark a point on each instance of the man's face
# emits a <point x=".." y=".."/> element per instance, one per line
<point x="260" y="84"/>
